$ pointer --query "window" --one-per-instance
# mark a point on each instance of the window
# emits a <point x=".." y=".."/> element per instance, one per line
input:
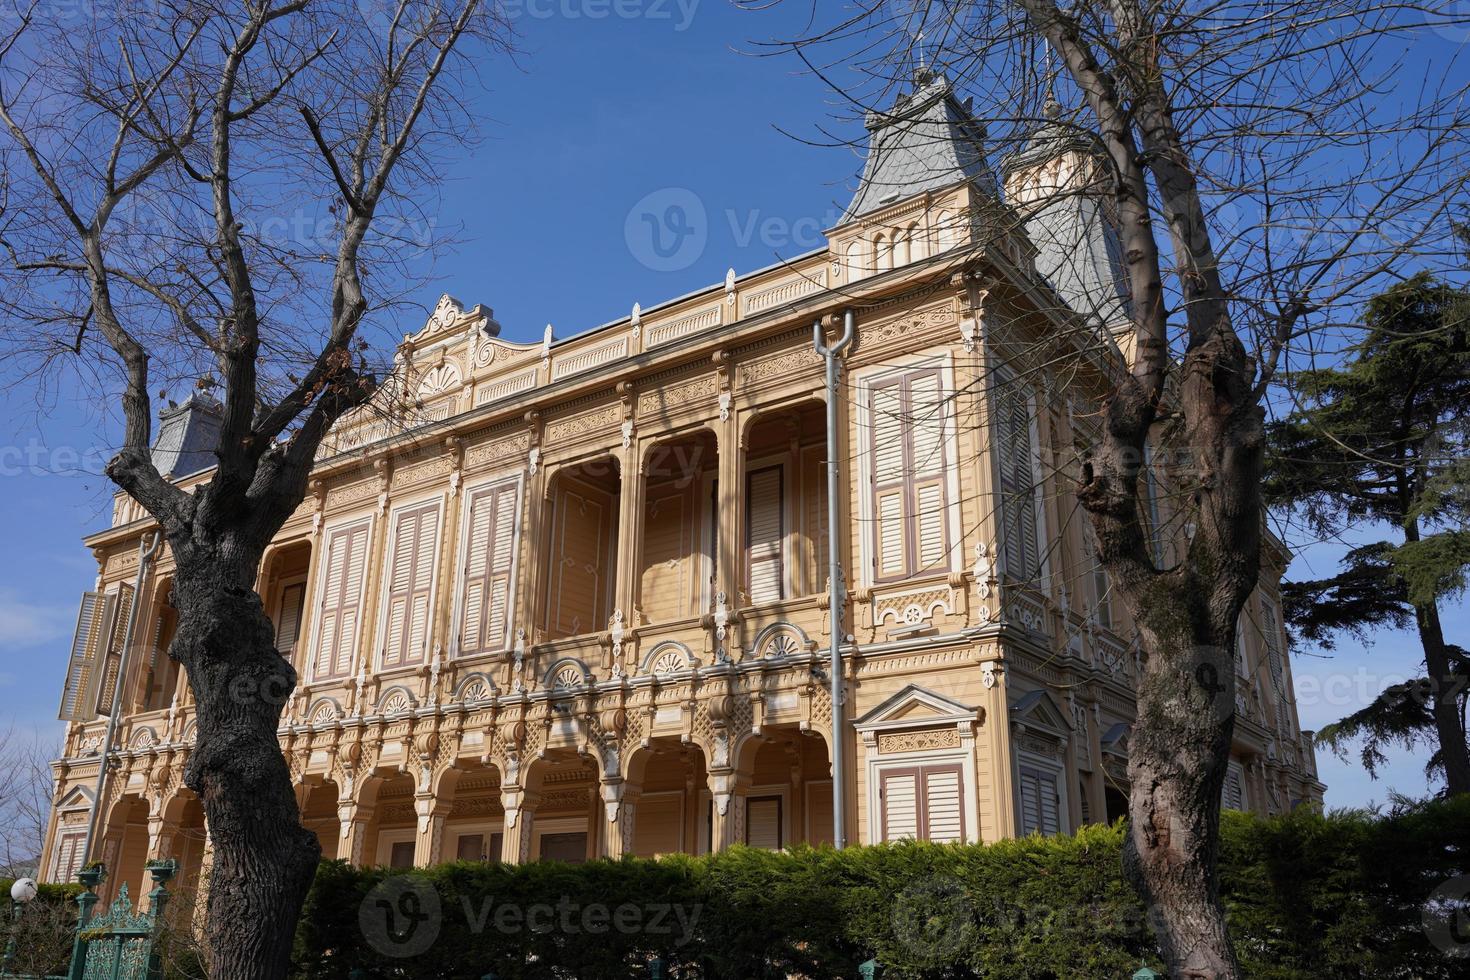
<point x="410" y="585"/>
<point x="485" y="602"/>
<point x="288" y="618"/>
<point x="855" y="266"/>
<point x="1151" y="497"/>
<point x="1016" y="458"/>
<point x="571" y="847"/>
<point x="401" y="856"/>
<point x="1271" y="632"/>
<point x="341" y="600"/>
<point x="763" y="822"/>
<point x="1040" y="802"/>
<point x="765" y="534"/>
<point x="1234" y="795"/>
<point x="923" y="803"/>
<point x="907" y="426"/>
<point x="1101" y="587"/>
<point x="68" y="858"/>
<point x="470" y="847"/>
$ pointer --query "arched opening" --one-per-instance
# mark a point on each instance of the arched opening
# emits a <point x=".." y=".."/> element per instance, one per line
<point x="677" y="561"/>
<point x="1116" y="802"/>
<point x="789" y="796"/>
<point x="581" y="547"/>
<point x="474" y="821"/>
<point x="319" y="815"/>
<point x="125" y="848"/>
<point x="785" y="513"/>
<point x="564" y="808"/>
<point x="159" y="676"/>
<point x="393" y="829"/>
<point x="283" y="590"/>
<point x="672" y="800"/>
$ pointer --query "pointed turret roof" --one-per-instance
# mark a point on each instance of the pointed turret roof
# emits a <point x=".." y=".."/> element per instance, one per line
<point x="927" y="141"/>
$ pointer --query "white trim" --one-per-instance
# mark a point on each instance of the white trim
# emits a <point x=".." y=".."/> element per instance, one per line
<point x="964" y="755"/>
<point x="385" y="587"/>
<point x="863" y="381"/>
<point x="461" y="561"/>
<point x="319" y="593"/>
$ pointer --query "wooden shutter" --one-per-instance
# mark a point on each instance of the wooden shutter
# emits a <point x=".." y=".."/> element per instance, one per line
<point x="580" y="576"/>
<point x="108" y="678"/>
<point x="1234" y="797"/>
<point x="410" y="585"/>
<point x="944" y="804"/>
<point x="814" y="517"/>
<point x="341" y="600"/>
<point x="288" y="624"/>
<point x="1271" y="631"/>
<point x="68" y="860"/>
<point x="1101" y="586"/>
<point x="401" y="855"/>
<point x="94" y="622"/>
<point x="1040" y="802"/>
<point x="898" y="796"/>
<point x="1016" y="447"/>
<point x="765" y="534"/>
<point x="1151" y="499"/>
<point x="763" y="822"/>
<point x="923" y="803"/>
<point x="908" y="426"/>
<point x="667" y="589"/>
<point x="490" y="555"/>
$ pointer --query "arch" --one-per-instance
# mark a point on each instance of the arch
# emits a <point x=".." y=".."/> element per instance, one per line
<point x="917" y="244"/>
<point x="668" y="657"/>
<point x="855" y="265"/>
<point x="438" y="380"/>
<point x="781" y="640"/>
<point x="567" y="674"/>
<point x="143" y="737"/>
<point x="901" y="250"/>
<point x="324" y="711"/>
<point x="475" y="688"/>
<point x="396" y="700"/>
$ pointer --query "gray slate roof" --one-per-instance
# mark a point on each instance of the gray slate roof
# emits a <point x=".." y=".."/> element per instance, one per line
<point x="927" y="141"/>
<point x="187" y="437"/>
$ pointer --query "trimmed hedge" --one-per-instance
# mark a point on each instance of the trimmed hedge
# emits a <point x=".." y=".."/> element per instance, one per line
<point x="1308" y="896"/>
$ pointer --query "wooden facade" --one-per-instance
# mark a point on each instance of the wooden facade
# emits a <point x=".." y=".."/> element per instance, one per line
<point x="569" y="599"/>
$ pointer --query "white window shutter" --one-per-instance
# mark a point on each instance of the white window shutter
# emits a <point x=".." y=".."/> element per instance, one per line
<point x="341" y="598"/>
<point x="93" y="623"/>
<point x="1040" y="802"/>
<point x="410" y="584"/>
<point x="899" y="797"/>
<point x="944" y="804"/>
<point x="908" y="422"/>
<point x="490" y="553"/>
<point x="765" y="534"/>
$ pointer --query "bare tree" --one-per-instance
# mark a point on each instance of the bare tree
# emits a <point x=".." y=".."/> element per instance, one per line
<point x="1267" y="165"/>
<point x="25" y="801"/>
<point x="222" y="189"/>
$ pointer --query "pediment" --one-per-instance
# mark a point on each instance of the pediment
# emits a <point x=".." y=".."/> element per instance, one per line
<point x="79" y="796"/>
<point x="915" y="705"/>
<point x="1038" y="709"/>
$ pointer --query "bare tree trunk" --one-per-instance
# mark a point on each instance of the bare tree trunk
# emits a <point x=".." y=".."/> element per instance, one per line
<point x="264" y="859"/>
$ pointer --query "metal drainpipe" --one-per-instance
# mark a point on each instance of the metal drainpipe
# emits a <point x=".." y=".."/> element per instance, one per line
<point x="147" y="548"/>
<point x="836" y="597"/>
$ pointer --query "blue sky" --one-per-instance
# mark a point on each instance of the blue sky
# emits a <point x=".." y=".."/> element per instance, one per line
<point x="607" y="118"/>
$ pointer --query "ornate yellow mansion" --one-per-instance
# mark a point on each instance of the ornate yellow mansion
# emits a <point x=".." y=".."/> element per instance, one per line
<point x="571" y="598"/>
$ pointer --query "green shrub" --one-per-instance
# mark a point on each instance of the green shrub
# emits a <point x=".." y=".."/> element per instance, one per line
<point x="44" y="930"/>
<point x="1308" y="896"/>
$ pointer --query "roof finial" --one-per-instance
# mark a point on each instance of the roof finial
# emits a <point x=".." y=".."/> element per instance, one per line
<point x="1050" y="107"/>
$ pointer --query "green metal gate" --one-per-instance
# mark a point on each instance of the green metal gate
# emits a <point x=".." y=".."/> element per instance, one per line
<point x="119" y="943"/>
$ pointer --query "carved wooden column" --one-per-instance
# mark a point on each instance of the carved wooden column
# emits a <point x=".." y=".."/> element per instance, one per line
<point x="630" y="530"/>
<point x="428" y="845"/>
<point x="619" y="814"/>
<point x="529" y="596"/>
<point x="520" y="815"/>
<point x="727" y="820"/>
<point x="730" y="557"/>
<point x="354" y="820"/>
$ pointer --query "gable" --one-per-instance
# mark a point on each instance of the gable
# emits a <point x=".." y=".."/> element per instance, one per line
<point x="915" y="705"/>
<point x="1038" y="709"/>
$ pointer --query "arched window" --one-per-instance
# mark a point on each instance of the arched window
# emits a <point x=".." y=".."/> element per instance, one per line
<point x="900" y="248"/>
<point x="915" y="236"/>
<point x="882" y="254"/>
<point x="944" y="231"/>
<point x="855" y="267"/>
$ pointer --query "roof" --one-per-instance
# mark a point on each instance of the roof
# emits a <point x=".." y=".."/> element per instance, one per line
<point x="928" y="140"/>
<point x="187" y="436"/>
<point x="1052" y="138"/>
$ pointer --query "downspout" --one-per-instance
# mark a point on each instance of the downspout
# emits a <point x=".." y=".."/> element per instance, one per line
<point x="147" y="549"/>
<point x="836" y="598"/>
